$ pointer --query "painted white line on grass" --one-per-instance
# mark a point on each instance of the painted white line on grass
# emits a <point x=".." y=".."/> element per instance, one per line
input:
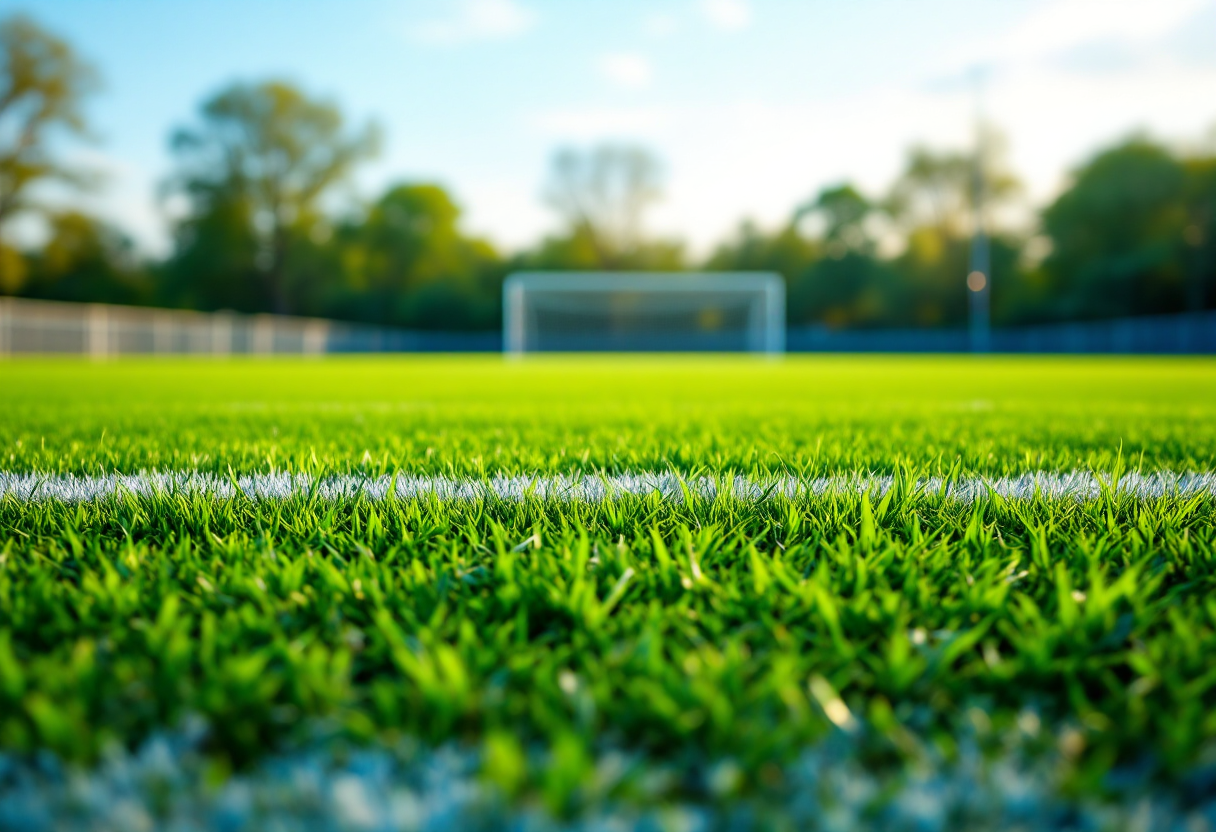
<point x="1081" y="485"/>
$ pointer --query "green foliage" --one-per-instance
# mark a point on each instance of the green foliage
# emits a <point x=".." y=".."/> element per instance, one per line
<point x="602" y="195"/>
<point x="1116" y="234"/>
<point x="694" y="629"/>
<point x="578" y="249"/>
<point x="84" y="260"/>
<point x="407" y="262"/>
<point x="926" y="279"/>
<point x="264" y="155"/>
<point x="834" y="275"/>
<point x="1134" y="234"/>
<point x="1119" y="233"/>
<point x="845" y="212"/>
<point x="43" y="86"/>
<point x="939" y="189"/>
<point x="1199" y="235"/>
<point x="214" y="265"/>
<point x="787" y="251"/>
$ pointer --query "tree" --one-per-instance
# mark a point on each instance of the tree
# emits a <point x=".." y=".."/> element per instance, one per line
<point x="850" y="285"/>
<point x="1200" y="232"/>
<point x="1118" y="235"/>
<point x="933" y="191"/>
<point x="938" y="188"/>
<point x="408" y="263"/>
<point x="786" y="251"/>
<point x="86" y="261"/>
<point x="827" y="256"/>
<point x="934" y="203"/>
<point x="602" y="196"/>
<point x="214" y="264"/>
<point x="844" y="212"/>
<point x="43" y="85"/>
<point x="270" y="153"/>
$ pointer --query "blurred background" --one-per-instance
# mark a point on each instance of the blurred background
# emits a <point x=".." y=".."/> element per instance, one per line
<point x="389" y="163"/>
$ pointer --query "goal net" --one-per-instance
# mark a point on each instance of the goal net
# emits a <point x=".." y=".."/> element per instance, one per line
<point x="643" y="312"/>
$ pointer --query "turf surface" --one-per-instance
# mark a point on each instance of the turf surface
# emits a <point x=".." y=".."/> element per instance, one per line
<point x="690" y="629"/>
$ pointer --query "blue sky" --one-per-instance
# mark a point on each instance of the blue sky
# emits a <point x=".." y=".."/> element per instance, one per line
<point x="752" y="105"/>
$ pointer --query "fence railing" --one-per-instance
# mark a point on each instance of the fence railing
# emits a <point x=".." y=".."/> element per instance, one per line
<point x="101" y="330"/>
<point x="1193" y="333"/>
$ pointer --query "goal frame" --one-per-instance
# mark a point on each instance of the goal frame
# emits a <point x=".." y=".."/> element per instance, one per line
<point x="767" y="287"/>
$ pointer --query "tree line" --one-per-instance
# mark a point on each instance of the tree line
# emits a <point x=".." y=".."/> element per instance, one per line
<point x="257" y="171"/>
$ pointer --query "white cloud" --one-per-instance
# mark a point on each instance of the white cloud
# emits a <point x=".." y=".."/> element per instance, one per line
<point x="659" y="25"/>
<point x="599" y="123"/>
<point x="626" y="69"/>
<point x="508" y="209"/>
<point x="1056" y="28"/>
<point x="478" y="20"/>
<point x="727" y="15"/>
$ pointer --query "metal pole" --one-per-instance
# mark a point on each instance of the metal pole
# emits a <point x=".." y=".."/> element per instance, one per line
<point x="979" y="287"/>
<point x="6" y="338"/>
<point x="979" y="274"/>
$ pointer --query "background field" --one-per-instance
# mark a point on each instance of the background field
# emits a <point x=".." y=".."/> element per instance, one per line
<point x="688" y="634"/>
<point x="469" y="415"/>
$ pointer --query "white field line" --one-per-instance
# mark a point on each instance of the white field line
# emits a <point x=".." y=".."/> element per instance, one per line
<point x="1080" y="485"/>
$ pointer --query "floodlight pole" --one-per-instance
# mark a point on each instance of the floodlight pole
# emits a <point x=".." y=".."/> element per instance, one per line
<point x="979" y="273"/>
<point x="979" y="287"/>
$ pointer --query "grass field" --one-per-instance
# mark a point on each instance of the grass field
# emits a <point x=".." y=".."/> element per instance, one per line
<point x="810" y="592"/>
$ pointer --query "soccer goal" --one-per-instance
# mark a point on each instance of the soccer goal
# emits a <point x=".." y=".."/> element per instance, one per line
<point x="643" y="312"/>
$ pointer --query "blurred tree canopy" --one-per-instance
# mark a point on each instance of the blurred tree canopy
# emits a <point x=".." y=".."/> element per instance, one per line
<point x="85" y="260"/>
<point x="259" y="227"/>
<point x="1199" y="235"/>
<point x="601" y="196"/>
<point x="262" y="157"/>
<point x="1133" y="232"/>
<point x="829" y="251"/>
<point x="43" y="85"/>
<point x="407" y="262"/>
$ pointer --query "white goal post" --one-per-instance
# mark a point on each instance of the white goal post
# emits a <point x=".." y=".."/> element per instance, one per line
<point x="643" y="312"/>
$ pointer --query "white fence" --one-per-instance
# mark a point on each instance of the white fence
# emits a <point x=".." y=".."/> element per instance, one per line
<point x="101" y="330"/>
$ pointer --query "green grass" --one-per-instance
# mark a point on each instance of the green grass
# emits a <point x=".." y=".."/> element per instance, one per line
<point x="700" y="629"/>
<point x="474" y="415"/>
